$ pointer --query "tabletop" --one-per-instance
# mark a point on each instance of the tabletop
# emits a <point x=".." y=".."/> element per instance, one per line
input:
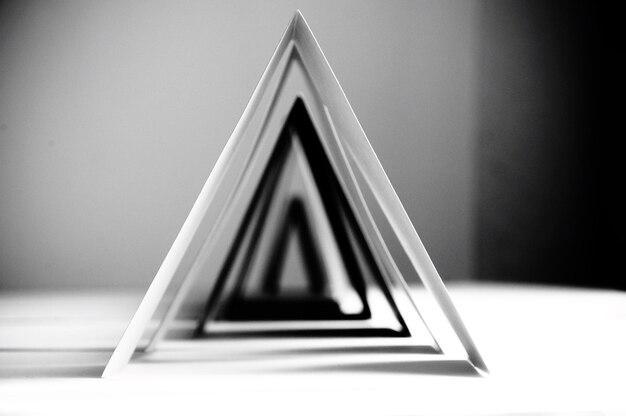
<point x="550" y="350"/>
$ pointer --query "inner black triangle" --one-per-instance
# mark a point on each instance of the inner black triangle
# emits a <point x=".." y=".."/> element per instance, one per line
<point x="274" y="304"/>
<point x="271" y="304"/>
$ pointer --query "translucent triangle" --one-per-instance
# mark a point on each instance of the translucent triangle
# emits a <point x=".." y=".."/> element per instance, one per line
<point x="296" y="220"/>
<point x="304" y="187"/>
<point x="298" y="69"/>
<point x="297" y="183"/>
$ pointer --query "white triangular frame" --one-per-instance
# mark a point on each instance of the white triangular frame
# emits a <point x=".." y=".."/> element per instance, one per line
<point x="299" y="183"/>
<point x="254" y="146"/>
<point x="347" y="143"/>
<point x="400" y="298"/>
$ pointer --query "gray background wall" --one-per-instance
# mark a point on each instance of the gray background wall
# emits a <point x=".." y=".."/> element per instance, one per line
<point x="489" y="116"/>
<point x="112" y="115"/>
<point x="549" y="160"/>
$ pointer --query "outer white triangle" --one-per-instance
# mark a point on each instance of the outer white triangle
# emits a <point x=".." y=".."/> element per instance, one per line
<point x="349" y="151"/>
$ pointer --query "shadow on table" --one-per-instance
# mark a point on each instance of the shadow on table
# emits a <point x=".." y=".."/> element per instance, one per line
<point x="361" y="359"/>
<point x="423" y="367"/>
<point x="52" y="363"/>
<point x="89" y="363"/>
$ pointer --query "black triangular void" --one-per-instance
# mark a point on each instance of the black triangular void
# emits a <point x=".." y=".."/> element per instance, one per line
<point x="233" y="299"/>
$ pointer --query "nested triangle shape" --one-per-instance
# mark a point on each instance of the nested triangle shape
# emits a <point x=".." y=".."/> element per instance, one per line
<point x="298" y="68"/>
<point x="334" y="241"/>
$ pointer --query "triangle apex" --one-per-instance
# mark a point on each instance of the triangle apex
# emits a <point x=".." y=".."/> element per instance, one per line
<point x="298" y="17"/>
<point x="295" y="22"/>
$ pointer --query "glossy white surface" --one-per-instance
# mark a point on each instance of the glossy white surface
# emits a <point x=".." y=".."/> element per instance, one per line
<point x="550" y="350"/>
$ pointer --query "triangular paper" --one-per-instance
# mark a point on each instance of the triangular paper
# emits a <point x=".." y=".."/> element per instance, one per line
<point x="298" y="70"/>
<point x="298" y="158"/>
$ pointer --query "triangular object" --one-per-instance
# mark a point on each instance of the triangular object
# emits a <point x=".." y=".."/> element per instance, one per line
<point x="297" y="171"/>
<point x="299" y="193"/>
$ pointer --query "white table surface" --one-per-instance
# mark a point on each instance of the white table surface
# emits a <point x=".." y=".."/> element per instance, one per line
<point x="550" y="351"/>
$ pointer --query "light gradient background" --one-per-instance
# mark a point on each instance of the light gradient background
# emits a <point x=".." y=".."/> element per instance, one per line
<point x="113" y="113"/>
